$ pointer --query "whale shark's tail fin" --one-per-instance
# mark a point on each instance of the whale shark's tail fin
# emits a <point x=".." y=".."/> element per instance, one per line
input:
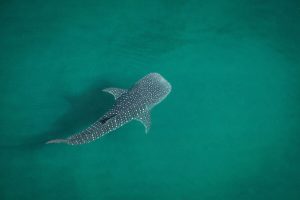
<point x="57" y="141"/>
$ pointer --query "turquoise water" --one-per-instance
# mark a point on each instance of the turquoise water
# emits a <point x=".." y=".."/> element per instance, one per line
<point x="229" y="129"/>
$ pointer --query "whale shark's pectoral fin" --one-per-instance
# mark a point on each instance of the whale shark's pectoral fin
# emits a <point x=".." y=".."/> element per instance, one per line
<point x="116" y="92"/>
<point x="145" y="119"/>
<point x="106" y="118"/>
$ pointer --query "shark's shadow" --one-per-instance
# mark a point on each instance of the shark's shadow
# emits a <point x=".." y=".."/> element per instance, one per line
<point x="84" y="109"/>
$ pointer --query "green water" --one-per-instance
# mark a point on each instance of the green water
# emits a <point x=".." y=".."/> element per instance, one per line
<point x="229" y="129"/>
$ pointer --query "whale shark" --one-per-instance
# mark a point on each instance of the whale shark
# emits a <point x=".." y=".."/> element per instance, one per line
<point x="130" y="104"/>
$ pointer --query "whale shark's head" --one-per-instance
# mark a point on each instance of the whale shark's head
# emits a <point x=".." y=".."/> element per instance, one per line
<point x="155" y="88"/>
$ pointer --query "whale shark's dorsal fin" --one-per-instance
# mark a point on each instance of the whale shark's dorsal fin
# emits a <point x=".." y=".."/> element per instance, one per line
<point x="105" y="119"/>
<point x="145" y="119"/>
<point x="116" y="92"/>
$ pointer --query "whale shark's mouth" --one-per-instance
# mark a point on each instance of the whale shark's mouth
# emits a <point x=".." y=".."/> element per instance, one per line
<point x="165" y="84"/>
<point x="162" y="80"/>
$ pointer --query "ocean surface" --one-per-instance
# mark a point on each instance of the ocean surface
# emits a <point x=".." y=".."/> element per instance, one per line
<point x="229" y="130"/>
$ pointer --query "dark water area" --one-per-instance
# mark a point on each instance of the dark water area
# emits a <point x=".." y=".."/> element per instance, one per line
<point x="228" y="130"/>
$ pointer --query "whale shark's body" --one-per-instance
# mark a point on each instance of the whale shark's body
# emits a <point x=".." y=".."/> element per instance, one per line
<point x="132" y="104"/>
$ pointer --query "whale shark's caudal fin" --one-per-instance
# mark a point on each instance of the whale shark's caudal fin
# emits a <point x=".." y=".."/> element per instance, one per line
<point x="57" y="141"/>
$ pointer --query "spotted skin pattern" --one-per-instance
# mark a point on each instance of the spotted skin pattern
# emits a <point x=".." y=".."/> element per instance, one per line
<point x="132" y="104"/>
